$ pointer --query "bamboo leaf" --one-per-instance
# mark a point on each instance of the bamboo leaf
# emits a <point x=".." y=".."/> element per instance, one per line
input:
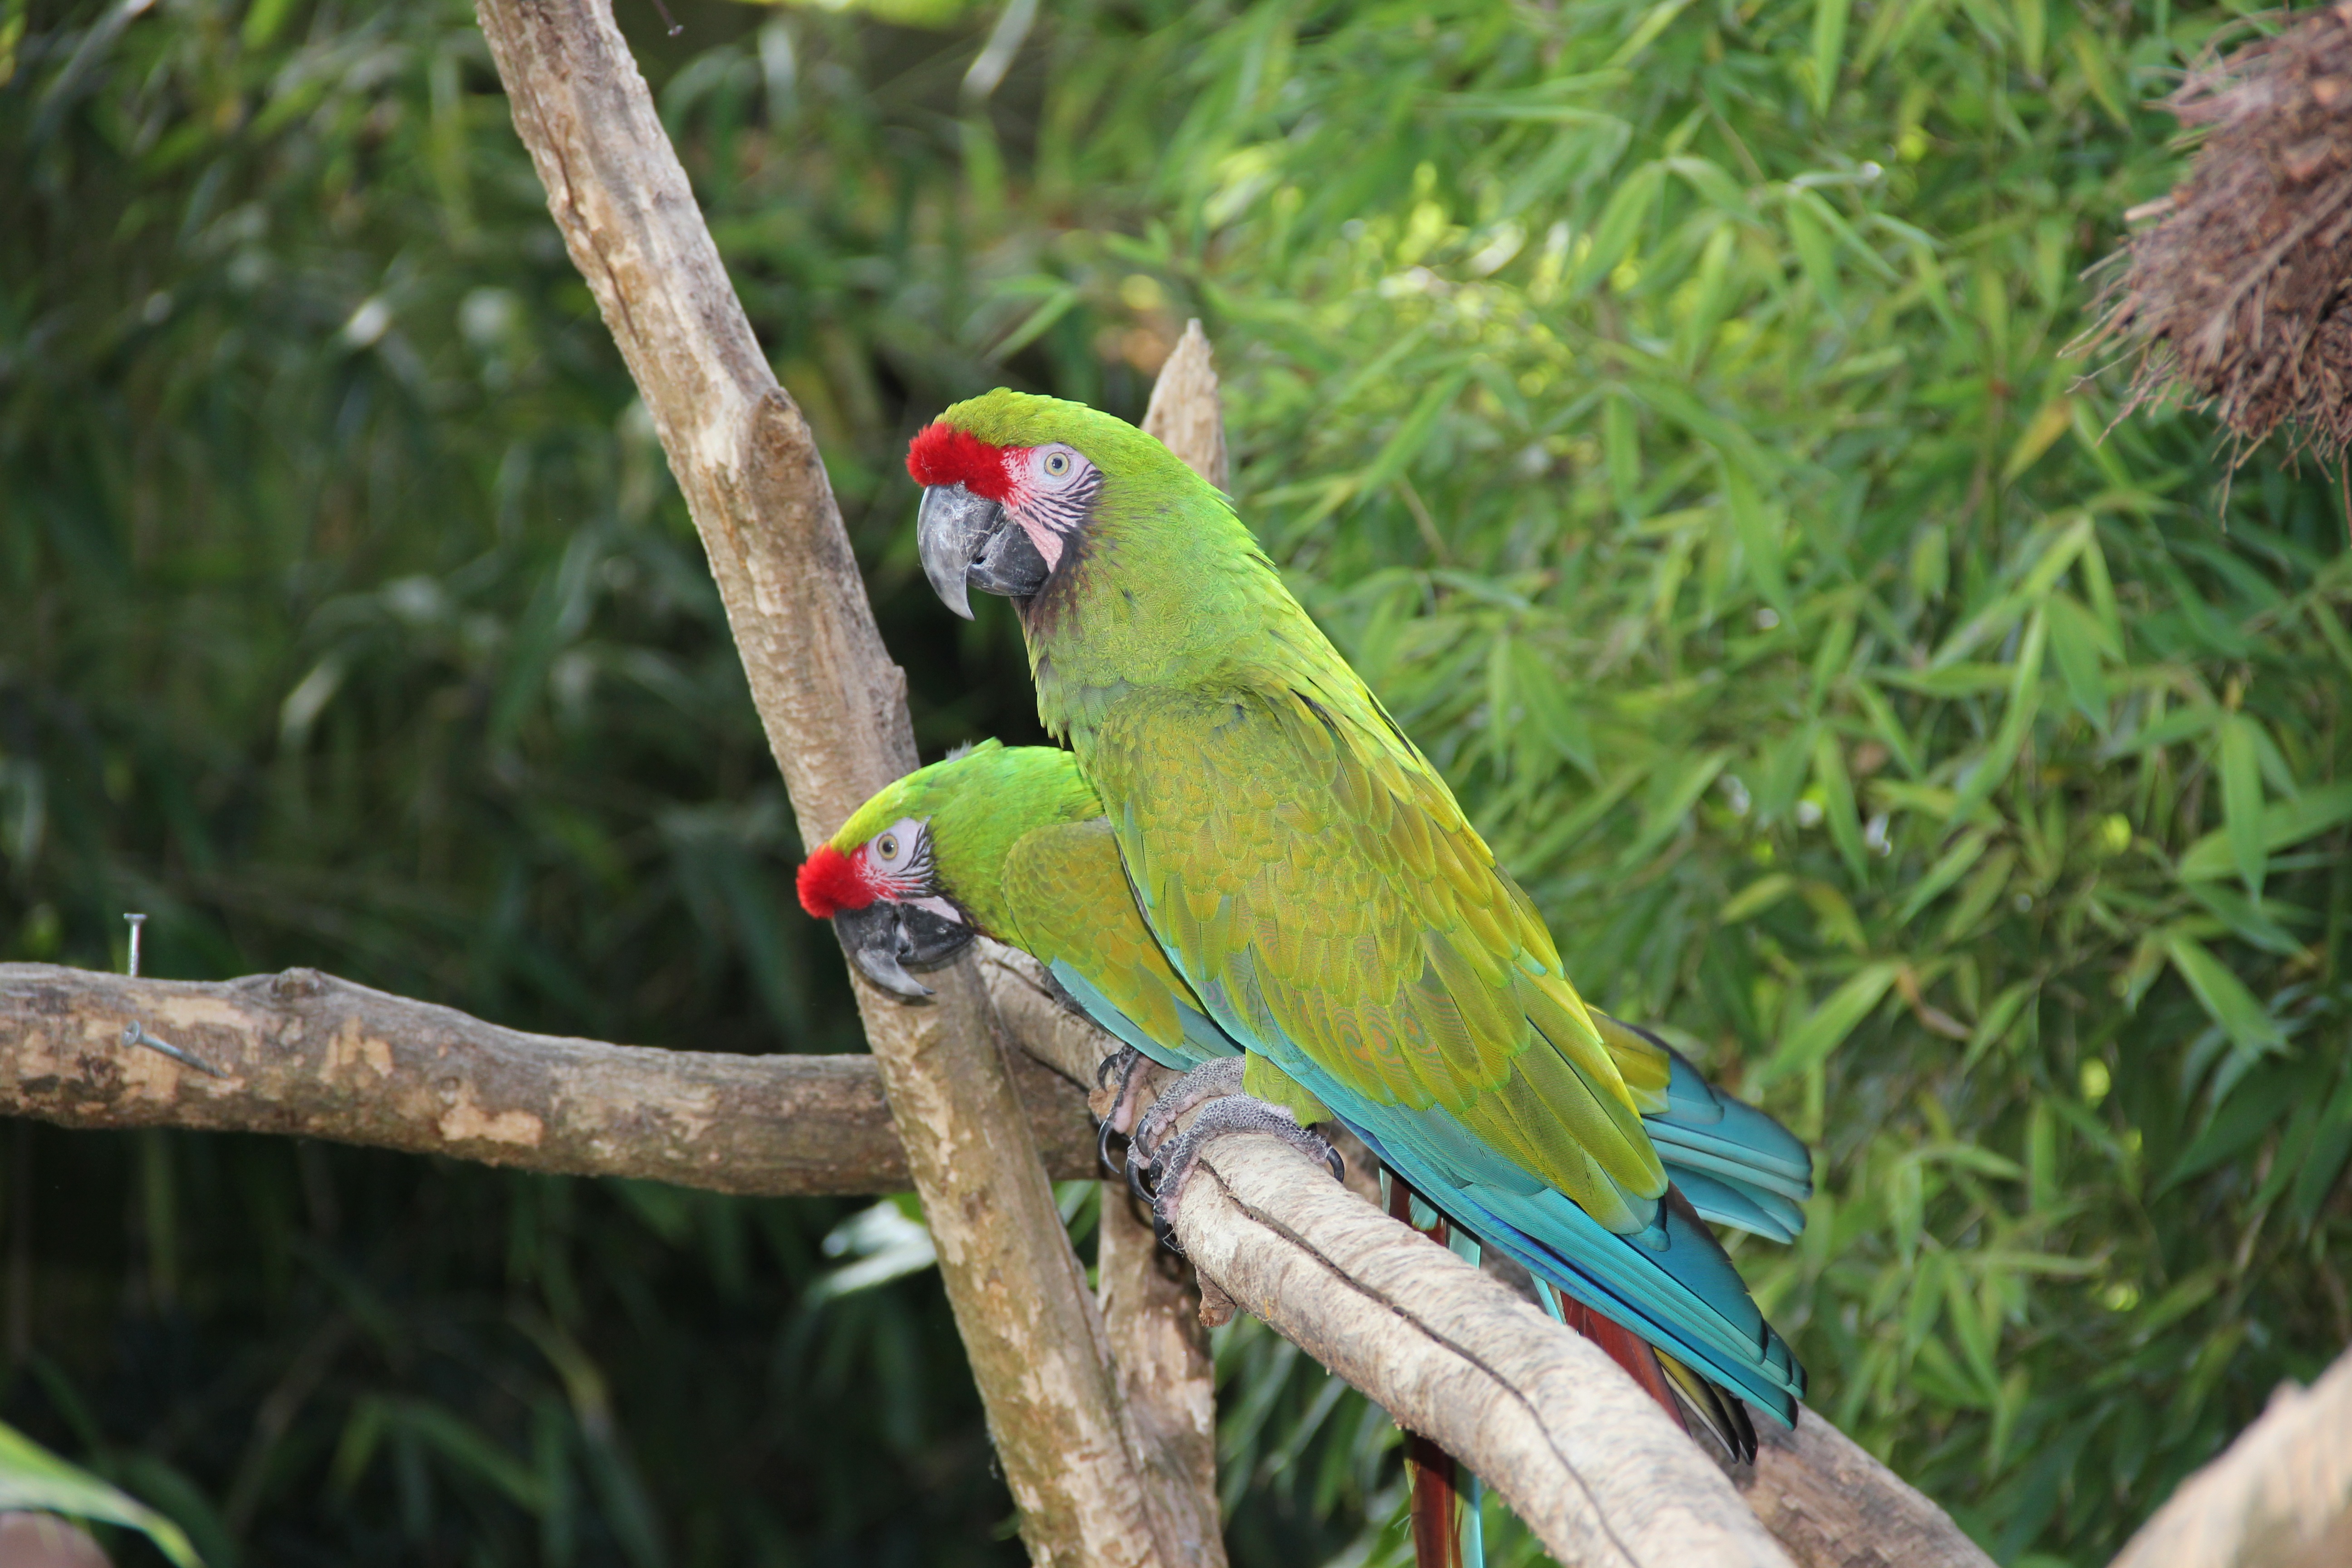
<point x="2241" y="800"/>
<point x="33" y="1478"/>
<point x="2222" y="994"/>
<point x="2285" y="823"/>
<point x="1837" y="802"/>
<point x="1827" y="1026"/>
<point x="2024" y="700"/>
<point x="1829" y="49"/>
<point x="1759" y="538"/>
<point x="1949" y="868"/>
<point x="1621" y="221"/>
<point x="2077" y="640"/>
<point x="2054" y="419"/>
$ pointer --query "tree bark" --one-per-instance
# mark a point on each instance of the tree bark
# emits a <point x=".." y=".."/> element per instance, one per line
<point x="311" y="1056"/>
<point x="834" y="710"/>
<point x="2279" y="1497"/>
<point x="1828" y="1503"/>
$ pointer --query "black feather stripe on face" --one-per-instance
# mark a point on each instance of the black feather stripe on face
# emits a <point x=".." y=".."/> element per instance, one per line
<point x="1064" y="512"/>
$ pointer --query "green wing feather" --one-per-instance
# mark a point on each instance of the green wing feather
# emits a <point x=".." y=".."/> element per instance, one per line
<point x="1308" y="871"/>
<point x="1067" y="901"/>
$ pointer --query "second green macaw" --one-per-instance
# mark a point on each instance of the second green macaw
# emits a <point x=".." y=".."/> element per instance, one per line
<point x="1013" y="844"/>
<point x="1309" y="874"/>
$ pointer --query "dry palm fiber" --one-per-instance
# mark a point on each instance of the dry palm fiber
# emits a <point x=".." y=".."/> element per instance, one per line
<point x="2238" y="299"/>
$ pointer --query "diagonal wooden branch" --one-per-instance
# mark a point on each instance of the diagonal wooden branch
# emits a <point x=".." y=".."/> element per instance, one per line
<point x="1825" y="1499"/>
<point x="1582" y="1454"/>
<point x="2279" y="1497"/>
<point x="1828" y="1500"/>
<point x="834" y="710"/>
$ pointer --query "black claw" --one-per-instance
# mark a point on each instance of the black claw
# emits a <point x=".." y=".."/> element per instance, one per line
<point x="1102" y="1069"/>
<point x="1139" y="1180"/>
<point x="1102" y="1150"/>
<point x="1331" y="1157"/>
<point x="1165" y="1234"/>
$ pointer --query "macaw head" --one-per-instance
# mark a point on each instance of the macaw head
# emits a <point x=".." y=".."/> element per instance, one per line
<point x="1012" y="486"/>
<point x="879" y="882"/>
<point x="917" y="871"/>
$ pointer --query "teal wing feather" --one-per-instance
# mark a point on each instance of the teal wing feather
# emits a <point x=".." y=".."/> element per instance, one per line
<point x="1736" y="1165"/>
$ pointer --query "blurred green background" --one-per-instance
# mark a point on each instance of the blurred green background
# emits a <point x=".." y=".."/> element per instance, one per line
<point x="1662" y="402"/>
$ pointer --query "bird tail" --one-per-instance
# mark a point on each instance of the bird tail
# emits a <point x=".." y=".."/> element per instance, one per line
<point x="1683" y="1394"/>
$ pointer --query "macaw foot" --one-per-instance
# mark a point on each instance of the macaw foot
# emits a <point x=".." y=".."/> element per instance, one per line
<point x="1174" y="1164"/>
<point x="1132" y="1069"/>
<point x="1213" y="1080"/>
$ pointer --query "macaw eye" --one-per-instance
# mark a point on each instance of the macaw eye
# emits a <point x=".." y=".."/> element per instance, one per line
<point x="1058" y="464"/>
<point x="886" y="847"/>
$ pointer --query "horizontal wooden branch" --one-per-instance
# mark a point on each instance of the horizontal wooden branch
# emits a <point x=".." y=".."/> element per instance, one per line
<point x="307" y="1054"/>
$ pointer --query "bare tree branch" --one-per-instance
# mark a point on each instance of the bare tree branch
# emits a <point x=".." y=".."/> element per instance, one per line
<point x="1832" y="1505"/>
<point x="835" y="710"/>
<point x="2280" y="1497"/>
<point x="308" y="1054"/>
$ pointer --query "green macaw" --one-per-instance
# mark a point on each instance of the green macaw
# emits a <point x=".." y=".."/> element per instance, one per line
<point x="1310" y="876"/>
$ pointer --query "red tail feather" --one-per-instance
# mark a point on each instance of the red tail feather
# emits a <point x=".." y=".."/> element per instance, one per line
<point x="1628" y="1350"/>
<point x="1437" y="1493"/>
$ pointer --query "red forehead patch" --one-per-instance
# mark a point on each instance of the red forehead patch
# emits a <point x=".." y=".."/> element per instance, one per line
<point x="943" y="455"/>
<point x="830" y="881"/>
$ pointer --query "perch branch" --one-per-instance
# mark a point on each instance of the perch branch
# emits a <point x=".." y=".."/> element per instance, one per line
<point x="1826" y="1500"/>
<point x="304" y="1054"/>
<point x="1832" y="1505"/>
<point x="833" y="706"/>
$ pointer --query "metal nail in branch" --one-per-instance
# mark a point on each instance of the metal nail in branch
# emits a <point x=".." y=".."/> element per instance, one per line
<point x="135" y="1033"/>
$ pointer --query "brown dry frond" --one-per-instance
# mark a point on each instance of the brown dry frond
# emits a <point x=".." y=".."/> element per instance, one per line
<point x="2238" y="299"/>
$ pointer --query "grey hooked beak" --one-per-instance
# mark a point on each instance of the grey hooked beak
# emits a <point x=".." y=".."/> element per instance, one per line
<point x="872" y="939"/>
<point x="967" y="543"/>
<point x="950" y="531"/>
<point x="884" y="937"/>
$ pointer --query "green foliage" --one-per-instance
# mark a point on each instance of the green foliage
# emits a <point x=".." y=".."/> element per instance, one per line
<point x="1662" y="404"/>
<point x="33" y="1478"/>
